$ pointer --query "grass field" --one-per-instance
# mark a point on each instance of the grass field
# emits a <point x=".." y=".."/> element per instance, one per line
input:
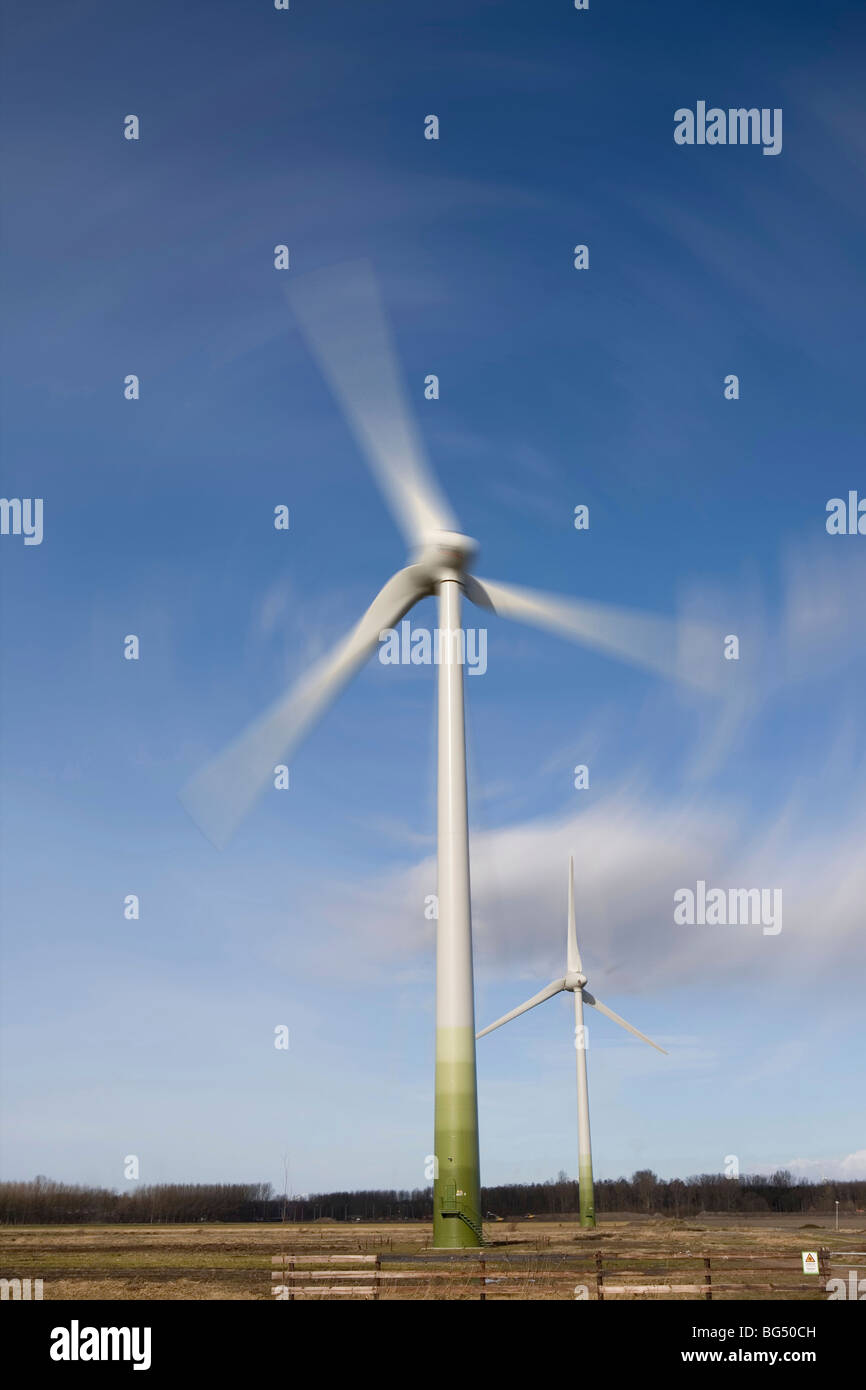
<point x="235" y="1262"/>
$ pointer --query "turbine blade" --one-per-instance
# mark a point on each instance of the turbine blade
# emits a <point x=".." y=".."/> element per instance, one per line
<point x="603" y="1009"/>
<point x="219" y="796"/>
<point x="683" y="649"/>
<point x="340" y="314"/>
<point x="572" y="953"/>
<point x="547" y="993"/>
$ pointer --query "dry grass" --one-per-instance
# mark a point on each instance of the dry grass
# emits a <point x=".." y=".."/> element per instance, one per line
<point x="203" y="1262"/>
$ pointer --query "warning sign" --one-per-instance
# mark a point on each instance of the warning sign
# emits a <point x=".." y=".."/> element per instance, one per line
<point x="810" y="1261"/>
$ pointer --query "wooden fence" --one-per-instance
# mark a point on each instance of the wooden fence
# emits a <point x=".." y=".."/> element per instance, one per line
<point x="845" y="1274"/>
<point x="584" y="1275"/>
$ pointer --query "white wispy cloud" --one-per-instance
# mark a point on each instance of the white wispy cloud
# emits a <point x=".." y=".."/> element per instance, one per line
<point x="631" y="855"/>
<point x="850" y="1168"/>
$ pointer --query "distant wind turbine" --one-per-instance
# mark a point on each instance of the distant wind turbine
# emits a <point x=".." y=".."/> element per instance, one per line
<point x="574" y="981"/>
<point x="341" y="317"/>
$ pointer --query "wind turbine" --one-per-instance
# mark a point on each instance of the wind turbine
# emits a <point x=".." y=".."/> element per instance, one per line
<point x="341" y="317"/>
<point x="574" y="981"/>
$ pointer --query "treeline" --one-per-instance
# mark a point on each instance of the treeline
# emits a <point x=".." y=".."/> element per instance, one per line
<point x="642" y="1193"/>
<point x="645" y="1193"/>
<point x="44" y="1202"/>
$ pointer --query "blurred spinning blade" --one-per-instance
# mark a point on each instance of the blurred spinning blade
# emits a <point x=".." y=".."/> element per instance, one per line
<point x="340" y="314"/>
<point x="682" y="649"/>
<point x="219" y="796"/>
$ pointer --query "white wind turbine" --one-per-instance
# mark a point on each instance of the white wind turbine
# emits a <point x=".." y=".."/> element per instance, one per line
<point x="574" y="981"/>
<point x="341" y="317"/>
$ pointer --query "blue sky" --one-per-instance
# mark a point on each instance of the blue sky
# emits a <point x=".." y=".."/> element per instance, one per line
<point x="558" y="387"/>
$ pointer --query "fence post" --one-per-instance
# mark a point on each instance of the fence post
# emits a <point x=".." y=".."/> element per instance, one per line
<point x="599" y="1277"/>
<point x="708" y="1280"/>
<point x="378" y="1282"/>
<point x="291" y="1272"/>
<point x="483" y="1265"/>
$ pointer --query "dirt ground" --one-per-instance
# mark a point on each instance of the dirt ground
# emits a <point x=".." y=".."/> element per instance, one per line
<point x="755" y="1257"/>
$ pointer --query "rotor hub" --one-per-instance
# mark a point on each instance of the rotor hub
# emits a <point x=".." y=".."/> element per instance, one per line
<point x="447" y="554"/>
<point x="575" y="980"/>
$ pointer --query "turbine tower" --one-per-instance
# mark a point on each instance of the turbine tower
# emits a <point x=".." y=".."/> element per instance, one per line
<point x="340" y="315"/>
<point x="574" y="981"/>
